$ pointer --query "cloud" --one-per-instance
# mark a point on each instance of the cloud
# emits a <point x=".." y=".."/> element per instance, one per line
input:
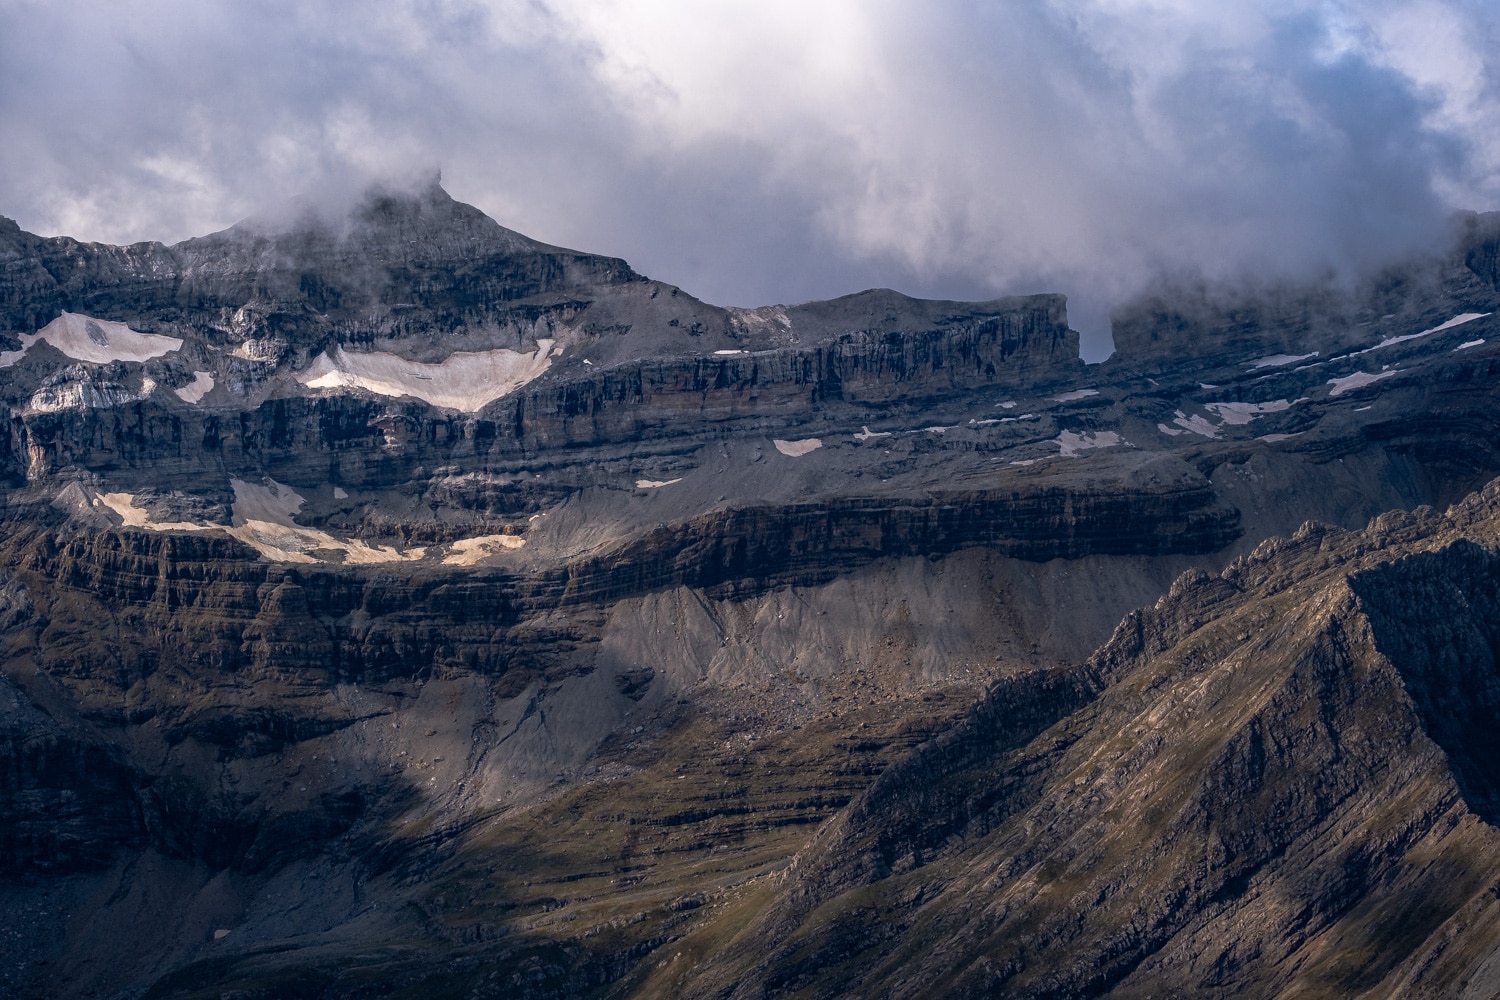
<point x="777" y="151"/>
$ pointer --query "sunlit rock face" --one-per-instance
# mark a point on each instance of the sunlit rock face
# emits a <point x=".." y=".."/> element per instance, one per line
<point x="393" y="584"/>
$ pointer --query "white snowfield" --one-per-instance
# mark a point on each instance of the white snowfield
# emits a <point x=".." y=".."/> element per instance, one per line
<point x="1077" y="394"/>
<point x="463" y="381"/>
<point x="1468" y="344"/>
<point x="796" y="449"/>
<point x="97" y="341"/>
<point x="262" y="519"/>
<point x="1071" y="443"/>
<point x="729" y="352"/>
<point x="865" y="434"/>
<point x="655" y="484"/>
<point x="1358" y="380"/>
<point x="194" y="391"/>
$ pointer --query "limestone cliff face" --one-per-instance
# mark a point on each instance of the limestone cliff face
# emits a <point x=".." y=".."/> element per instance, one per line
<point x="417" y="603"/>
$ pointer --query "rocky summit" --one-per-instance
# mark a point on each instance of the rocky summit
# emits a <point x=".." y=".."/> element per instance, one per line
<point x="395" y="606"/>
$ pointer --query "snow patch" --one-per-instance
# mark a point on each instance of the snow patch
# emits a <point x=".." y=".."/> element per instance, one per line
<point x="865" y="434"/>
<point x="1009" y="404"/>
<point x="1274" y="438"/>
<point x="734" y="351"/>
<point x="652" y="484"/>
<point x="85" y="394"/>
<point x="339" y="493"/>
<point x="1170" y="431"/>
<point x="1277" y="360"/>
<point x="259" y="350"/>
<point x="194" y="391"/>
<point x="463" y="381"/>
<point x="96" y="341"/>
<point x="1468" y="344"/>
<point x="132" y="516"/>
<point x="469" y="551"/>
<point x="1069" y="397"/>
<point x="1358" y="381"/>
<point x="1242" y="413"/>
<point x="1458" y="320"/>
<point x="1071" y="443"/>
<point x="1196" y="424"/>
<point x="796" y="449"/>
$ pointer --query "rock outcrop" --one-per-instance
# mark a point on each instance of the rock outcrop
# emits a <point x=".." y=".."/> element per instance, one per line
<point x="1278" y="780"/>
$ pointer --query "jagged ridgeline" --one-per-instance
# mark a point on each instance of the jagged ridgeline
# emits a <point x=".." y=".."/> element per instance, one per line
<point x="394" y="605"/>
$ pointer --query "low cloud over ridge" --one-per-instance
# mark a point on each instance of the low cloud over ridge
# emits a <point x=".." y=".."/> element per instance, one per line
<point x="778" y="151"/>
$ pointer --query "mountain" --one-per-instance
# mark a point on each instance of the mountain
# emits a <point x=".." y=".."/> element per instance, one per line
<point x="394" y="605"/>
<point x="1279" y="780"/>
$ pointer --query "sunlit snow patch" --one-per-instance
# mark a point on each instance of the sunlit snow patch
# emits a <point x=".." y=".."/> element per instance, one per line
<point x="97" y="341"/>
<point x="653" y="484"/>
<point x="796" y="449"/>
<point x="865" y="434"/>
<point x="1468" y="344"/>
<point x="468" y="551"/>
<point x="1077" y="394"/>
<point x="1358" y="381"/>
<point x="464" y="381"/>
<point x="263" y="520"/>
<point x="195" y="390"/>
<point x="138" y="517"/>
<point x="86" y="394"/>
<point x="725" y="353"/>
<point x="1071" y="443"/>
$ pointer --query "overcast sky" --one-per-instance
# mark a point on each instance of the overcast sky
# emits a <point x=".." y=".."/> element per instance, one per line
<point x="782" y="150"/>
